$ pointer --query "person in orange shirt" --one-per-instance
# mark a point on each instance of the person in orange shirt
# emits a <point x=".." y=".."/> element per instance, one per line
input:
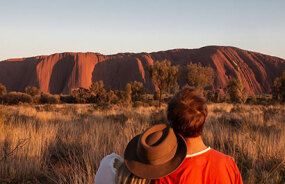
<point x="187" y="112"/>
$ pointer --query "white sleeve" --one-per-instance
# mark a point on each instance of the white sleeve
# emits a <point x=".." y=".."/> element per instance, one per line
<point x="106" y="172"/>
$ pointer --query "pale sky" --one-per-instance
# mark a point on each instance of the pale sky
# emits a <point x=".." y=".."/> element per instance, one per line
<point x="42" y="27"/>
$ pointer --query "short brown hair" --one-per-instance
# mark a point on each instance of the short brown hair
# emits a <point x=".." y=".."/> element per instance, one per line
<point x="187" y="112"/>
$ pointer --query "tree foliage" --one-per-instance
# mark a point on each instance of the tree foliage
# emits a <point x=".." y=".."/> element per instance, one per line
<point x="236" y="91"/>
<point x="12" y="98"/>
<point x="46" y="98"/>
<point x="278" y="88"/>
<point x="98" y="92"/>
<point x="80" y="95"/>
<point x="111" y="97"/>
<point x="198" y="76"/>
<point x="138" y="91"/>
<point x="128" y="96"/>
<point x="33" y="91"/>
<point x="164" y="77"/>
<point x="3" y="90"/>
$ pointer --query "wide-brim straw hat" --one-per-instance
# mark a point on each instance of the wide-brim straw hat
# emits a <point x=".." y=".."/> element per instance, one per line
<point x="155" y="153"/>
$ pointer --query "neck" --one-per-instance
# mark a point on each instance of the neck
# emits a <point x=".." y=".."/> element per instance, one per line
<point x="194" y="145"/>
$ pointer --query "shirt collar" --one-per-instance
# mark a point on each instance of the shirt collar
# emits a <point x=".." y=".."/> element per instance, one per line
<point x="198" y="153"/>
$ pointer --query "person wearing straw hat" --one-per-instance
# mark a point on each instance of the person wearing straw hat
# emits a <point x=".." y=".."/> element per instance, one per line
<point x="155" y="153"/>
<point x="187" y="112"/>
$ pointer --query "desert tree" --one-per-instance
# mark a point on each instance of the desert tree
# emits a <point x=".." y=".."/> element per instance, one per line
<point x="33" y="91"/>
<point x="198" y="76"/>
<point x="138" y="91"/>
<point x="98" y="92"/>
<point x="80" y="95"/>
<point x="278" y="88"/>
<point x="236" y="91"/>
<point x="97" y="87"/>
<point x="164" y="77"/>
<point x="3" y="90"/>
<point x="128" y="94"/>
<point x="111" y="97"/>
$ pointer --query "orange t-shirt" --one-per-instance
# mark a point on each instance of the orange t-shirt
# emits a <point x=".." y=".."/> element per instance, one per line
<point x="208" y="166"/>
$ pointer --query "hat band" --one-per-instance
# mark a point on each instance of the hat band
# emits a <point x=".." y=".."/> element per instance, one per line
<point x="160" y="160"/>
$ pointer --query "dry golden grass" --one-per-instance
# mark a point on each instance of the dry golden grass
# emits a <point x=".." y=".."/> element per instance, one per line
<point x="65" y="143"/>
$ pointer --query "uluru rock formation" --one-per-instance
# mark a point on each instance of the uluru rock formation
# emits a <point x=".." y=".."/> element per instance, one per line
<point x="60" y="73"/>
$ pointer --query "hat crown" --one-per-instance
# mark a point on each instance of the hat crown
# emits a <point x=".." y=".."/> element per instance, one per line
<point x="154" y="138"/>
<point x="155" y="153"/>
<point x="157" y="145"/>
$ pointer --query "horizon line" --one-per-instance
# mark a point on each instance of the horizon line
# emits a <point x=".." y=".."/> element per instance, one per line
<point x="138" y="52"/>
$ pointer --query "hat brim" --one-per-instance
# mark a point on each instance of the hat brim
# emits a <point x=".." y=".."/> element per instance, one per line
<point x="148" y="171"/>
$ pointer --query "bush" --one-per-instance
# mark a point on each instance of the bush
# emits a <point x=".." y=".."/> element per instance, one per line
<point x="81" y="95"/>
<point x="236" y="91"/>
<point x="197" y="76"/>
<point x="121" y="95"/>
<point x="3" y="90"/>
<point x="32" y="91"/>
<point x="67" y="99"/>
<point x="164" y="77"/>
<point x="209" y="95"/>
<point x="37" y="99"/>
<point x="49" y="99"/>
<point x="98" y="93"/>
<point x="111" y="97"/>
<point x="137" y="91"/>
<point x="154" y="103"/>
<point x="251" y="100"/>
<point x="16" y="98"/>
<point x="128" y="94"/>
<point x="140" y="104"/>
<point x="278" y="88"/>
<point x="156" y="96"/>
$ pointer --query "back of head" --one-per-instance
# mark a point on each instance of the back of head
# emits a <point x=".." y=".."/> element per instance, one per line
<point x="187" y="112"/>
<point x="124" y="176"/>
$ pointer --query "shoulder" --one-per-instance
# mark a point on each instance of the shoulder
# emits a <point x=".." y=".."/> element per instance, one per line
<point x="220" y="157"/>
<point x="222" y="160"/>
<point x="225" y="166"/>
<point x="111" y="158"/>
<point x="111" y="162"/>
<point x="108" y="169"/>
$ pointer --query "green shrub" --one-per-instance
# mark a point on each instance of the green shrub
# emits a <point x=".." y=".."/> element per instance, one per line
<point x="278" y="88"/>
<point x="67" y="99"/>
<point x="49" y="99"/>
<point x="32" y="91"/>
<point x="121" y="94"/>
<point x="81" y="95"/>
<point x="164" y="77"/>
<point x="3" y="90"/>
<point x="251" y="100"/>
<point x="111" y="97"/>
<point x="16" y="97"/>
<point x="138" y="91"/>
<point x="198" y="76"/>
<point x="37" y="99"/>
<point x="128" y="94"/>
<point x="98" y="94"/>
<point x="236" y="91"/>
